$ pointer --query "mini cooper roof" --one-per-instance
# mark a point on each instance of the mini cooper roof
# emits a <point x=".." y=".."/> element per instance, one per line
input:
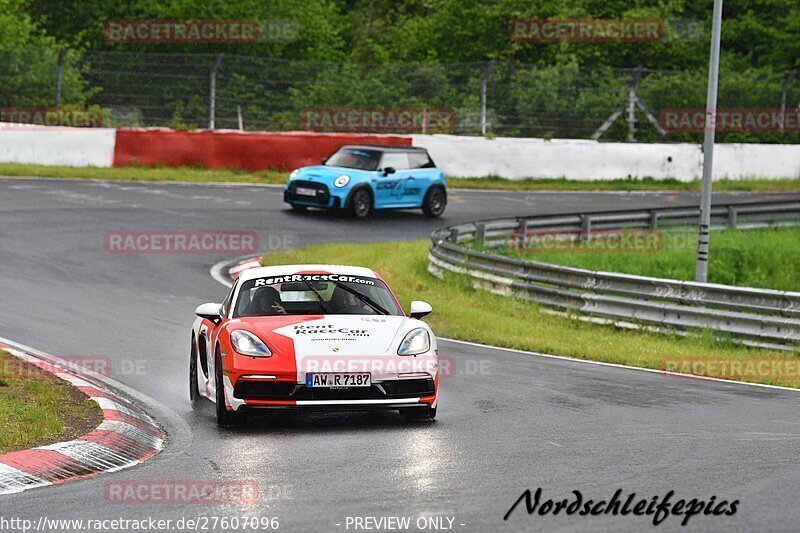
<point x="384" y="148"/>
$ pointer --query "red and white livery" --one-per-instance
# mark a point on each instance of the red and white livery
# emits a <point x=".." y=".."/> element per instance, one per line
<point x="313" y="336"/>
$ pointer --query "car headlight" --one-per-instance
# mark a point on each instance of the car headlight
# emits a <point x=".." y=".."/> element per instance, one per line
<point x="417" y="341"/>
<point x="341" y="181"/>
<point x="246" y="343"/>
<point x="293" y="175"/>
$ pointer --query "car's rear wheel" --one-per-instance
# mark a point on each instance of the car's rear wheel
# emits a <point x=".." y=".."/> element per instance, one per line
<point x="419" y="413"/>
<point x="225" y="418"/>
<point x="434" y="203"/>
<point x="361" y="203"/>
<point x="194" y="392"/>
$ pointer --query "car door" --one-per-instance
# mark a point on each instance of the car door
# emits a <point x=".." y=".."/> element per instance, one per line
<point x="390" y="189"/>
<point x="425" y="174"/>
<point x="210" y="332"/>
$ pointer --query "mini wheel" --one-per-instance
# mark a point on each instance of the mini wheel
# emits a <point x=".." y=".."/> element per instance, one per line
<point x="361" y="203"/>
<point x="434" y="203"/>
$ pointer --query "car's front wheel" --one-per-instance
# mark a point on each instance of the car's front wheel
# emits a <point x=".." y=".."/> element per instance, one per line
<point x="361" y="203"/>
<point x="434" y="203"/>
<point x="225" y="418"/>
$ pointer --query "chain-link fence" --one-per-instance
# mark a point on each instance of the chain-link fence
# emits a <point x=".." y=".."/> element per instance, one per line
<point x="490" y="98"/>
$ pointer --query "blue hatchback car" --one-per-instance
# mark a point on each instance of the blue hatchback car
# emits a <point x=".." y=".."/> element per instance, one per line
<point x="363" y="179"/>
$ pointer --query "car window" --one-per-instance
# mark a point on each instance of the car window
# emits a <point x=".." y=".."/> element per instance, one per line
<point x="354" y="158"/>
<point x="226" y="305"/>
<point x="315" y="294"/>
<point x="396" y="160"/>
<point x="420" y="159"/>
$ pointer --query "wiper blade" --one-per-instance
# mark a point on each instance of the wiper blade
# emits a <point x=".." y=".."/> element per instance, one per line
<point x="366" y="299"/>
<point x="319" y="297"/>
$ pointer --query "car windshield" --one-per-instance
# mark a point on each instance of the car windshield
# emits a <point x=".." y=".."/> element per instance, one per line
<point x="315" y="294"/>
<point x="355" y="158"/>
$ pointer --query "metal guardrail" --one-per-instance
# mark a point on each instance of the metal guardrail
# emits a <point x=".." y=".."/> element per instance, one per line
<point x="756" y="316"/>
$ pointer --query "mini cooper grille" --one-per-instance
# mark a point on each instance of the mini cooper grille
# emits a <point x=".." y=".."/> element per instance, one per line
<point x="322" y="197"/>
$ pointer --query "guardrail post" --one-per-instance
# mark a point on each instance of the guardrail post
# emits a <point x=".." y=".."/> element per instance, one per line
<point x="653" y="219"/>
<point x="486" y="73"/>
<point x="59" y="77"/>
<point x="212" y="92"/>
<point x="586" y="226"/>
<point x="732" y="213"/>
<point x="522" y="240"/>
<point x="453" y="237"/>
<point x="481" y="233"/>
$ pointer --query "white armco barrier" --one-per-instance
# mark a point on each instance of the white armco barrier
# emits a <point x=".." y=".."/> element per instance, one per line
<point x="515" y="158"/>
<point x="74" y="147"/>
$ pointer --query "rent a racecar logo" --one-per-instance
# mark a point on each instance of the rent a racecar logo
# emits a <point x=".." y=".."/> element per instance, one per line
<point x="313" y="277"/>
<point x="328" y="329"/>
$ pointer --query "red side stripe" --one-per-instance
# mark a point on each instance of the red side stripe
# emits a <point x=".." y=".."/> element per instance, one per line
<point x="47" y="464"/>
<point x="117" y="442"/>
<point x="94" y="392"/>
<point x="117" y="416"/>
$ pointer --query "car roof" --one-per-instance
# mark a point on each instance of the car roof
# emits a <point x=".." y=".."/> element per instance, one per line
<point x="385" y="148"/>
<point x="284" y="270"/>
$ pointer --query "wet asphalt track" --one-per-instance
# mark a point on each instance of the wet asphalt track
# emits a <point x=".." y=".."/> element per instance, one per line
<point x="521" y="422"/>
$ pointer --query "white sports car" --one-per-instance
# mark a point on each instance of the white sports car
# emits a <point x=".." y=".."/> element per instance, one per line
<point x="313" y="336"/>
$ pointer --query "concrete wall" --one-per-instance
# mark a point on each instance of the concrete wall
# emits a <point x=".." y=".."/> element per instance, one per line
<point x="235" y="149"/>
<point x="580" y="159"/>
<point x="458" y="156"/>
<point x="74" y="147"/>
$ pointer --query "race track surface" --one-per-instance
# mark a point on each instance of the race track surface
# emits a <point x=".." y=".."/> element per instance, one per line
<point x="507" y="421"/>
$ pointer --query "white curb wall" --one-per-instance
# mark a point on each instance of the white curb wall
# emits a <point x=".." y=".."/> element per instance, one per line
<point x="73" y="147"/>
<point x="575" y="159"/>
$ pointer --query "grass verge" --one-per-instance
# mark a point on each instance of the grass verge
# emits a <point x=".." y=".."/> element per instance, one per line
<point x="746" y="257"/>
<point x="465" y="313"/>
<point x="37" y="408"/>
<point x="192" y="174"/>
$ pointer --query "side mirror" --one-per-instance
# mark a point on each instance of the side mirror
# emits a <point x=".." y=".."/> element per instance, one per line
<point x="420" y="309"/>
<point x="389" y="170"/>
<point x="323" y="160"/>
<point x="209" y="311"/>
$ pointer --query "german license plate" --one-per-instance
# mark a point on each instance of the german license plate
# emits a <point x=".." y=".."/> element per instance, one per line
<point x="333" y="381"/>
<point x="302" y="191"/>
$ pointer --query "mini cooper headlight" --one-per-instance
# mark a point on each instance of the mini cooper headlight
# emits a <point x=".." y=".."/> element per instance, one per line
<point x="293" y="175"/>
<point x="341" y="181"/>
<point x="246" y="343"/>
<point x="417" y="341"/>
